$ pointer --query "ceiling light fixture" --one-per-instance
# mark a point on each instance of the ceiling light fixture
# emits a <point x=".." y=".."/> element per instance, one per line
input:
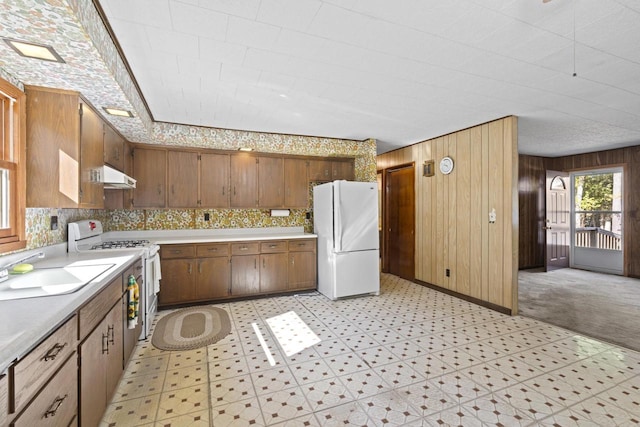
<point x="118" y="112"/>
<point x="34" y="50"/>
<point x="245" y="149"/>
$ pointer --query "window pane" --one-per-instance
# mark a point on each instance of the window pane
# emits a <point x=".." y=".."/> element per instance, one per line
<point x="601" y="230"/>
<point x="5" y="198"/>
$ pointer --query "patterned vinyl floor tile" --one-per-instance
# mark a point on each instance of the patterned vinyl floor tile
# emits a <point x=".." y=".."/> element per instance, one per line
<point x="411" y="356"/>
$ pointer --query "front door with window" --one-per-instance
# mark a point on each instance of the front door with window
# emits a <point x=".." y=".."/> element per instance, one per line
<point x="558" y="220"/>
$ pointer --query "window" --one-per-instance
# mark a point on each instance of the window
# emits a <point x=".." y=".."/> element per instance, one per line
<point x="12" y="168"/>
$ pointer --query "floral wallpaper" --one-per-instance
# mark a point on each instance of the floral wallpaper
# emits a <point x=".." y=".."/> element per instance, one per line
<point x="94" y="68"/>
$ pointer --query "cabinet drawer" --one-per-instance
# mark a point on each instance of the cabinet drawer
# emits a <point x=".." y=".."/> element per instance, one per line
<point x="302" y="245"/>
<point x="177" y="251"/>
<point x="245" y="248"/>
<point x="57" y="403"/>
<point x="213" y="249"/>
<point x="95" y="310"/>
<point x="30" y="373"/>
<point x="273" y="246"/>
<point x="4" y="399"/>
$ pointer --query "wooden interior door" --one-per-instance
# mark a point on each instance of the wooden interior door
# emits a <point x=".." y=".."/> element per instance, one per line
<point x="400" y="221"/>
<point x="558" y="221"/>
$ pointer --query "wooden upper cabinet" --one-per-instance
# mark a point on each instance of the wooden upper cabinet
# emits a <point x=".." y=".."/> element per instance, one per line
<point x="320" y="170"/>
<point x="114" y="146"/>
<point x="182" y="174"/>
<point x="296" y="183"/>
<point x="244" y="181"/>
<point x="150" y="171"/>
<point x="270" y="182"/>
<point x="91" y="158"/>
<point x="58" y="166"/>
<point x="341" y="169"/>
<point x="214" y="180"/>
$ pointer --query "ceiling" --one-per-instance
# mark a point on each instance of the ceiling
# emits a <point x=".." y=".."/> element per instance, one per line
<point x="399" y="72"/>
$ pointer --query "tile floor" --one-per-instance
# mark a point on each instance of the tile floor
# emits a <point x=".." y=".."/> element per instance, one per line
<point x="411" y="356"/>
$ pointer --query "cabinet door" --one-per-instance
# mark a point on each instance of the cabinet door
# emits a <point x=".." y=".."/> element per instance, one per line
<point x="129" y="336"/>
<point x="91" y="158"/>
<point x="53" y="148"/>
<point x="270" y="182"/>
<point x="113" y="148"/>
<point x="150" y="170"/>
<point x="214" y="180"/>
<point x="302" y="270"/>
<point x="245" y="275"/>
<point x="93" y="379"/>
<point x="244" y="181"/>
<point x="342" y="170"/>
<point x="320" y="170"/>
<point x="273" y="272"/>
<point x="182" y="174"/>
<point x="213" y="278"/>
<point x="115" y="354"/>
<point x="296" y="183"/>
<point x="178" y="281"/>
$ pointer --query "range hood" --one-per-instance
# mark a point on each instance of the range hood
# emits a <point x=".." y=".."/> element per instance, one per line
<point x="113" y="179"/>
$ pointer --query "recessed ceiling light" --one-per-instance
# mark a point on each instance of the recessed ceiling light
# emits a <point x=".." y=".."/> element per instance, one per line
<point x="118" y="112"/>
<point x="245" y="149"/>
<point x="34" y="50"/>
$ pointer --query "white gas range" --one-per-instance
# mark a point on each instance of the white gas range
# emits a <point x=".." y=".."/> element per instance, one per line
<point x="88" y="236"/>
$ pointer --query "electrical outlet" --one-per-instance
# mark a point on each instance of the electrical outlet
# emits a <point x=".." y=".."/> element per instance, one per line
<point x="54" y="222"/>
<point x="207" y="216"/>
<point x="447" y="272"/>
<point x="308" y="215"/>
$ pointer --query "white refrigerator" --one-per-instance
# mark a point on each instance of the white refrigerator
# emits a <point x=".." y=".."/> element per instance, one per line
<point x="345" y="218"/>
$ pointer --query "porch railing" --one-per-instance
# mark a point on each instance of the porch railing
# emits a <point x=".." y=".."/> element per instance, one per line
<point x="594" y="237"/>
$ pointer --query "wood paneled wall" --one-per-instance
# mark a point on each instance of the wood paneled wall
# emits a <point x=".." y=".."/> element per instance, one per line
<point x="452" y="211"/>
<point x="531" y="201"/>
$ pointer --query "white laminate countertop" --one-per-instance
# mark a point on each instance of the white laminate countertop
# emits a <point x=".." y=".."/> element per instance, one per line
<point x="165" y="237"/>
<point x="26" y="322"/>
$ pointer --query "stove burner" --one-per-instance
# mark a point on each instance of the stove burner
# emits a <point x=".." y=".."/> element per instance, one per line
<point x="121" y="244"/>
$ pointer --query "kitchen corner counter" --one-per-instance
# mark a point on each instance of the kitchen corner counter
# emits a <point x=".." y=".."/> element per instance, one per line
<point x="25" y="322"/>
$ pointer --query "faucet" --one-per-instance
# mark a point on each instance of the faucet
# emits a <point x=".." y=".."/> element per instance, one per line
<point x="4" y="270"/>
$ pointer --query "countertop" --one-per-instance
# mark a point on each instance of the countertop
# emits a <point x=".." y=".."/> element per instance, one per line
<point x="26" y="322"/>
<point x="165" y="237"/>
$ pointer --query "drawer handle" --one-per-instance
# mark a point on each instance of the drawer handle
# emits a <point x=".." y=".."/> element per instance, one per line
<point x="51" y="412"/>
<point x="105" y="343"/>
<point x="139" y="267"/>
<point x="213" y="249"/>
<point x="176" y="251"/>
<point x="273" y="246"/>
<point x="302" y="244"/>
<point x="244" y="248"/>
<point x="110" y="331"/>
<point x="54" y="351"/>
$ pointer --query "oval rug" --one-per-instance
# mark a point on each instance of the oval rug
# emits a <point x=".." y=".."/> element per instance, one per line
<point x="190" y="328"/>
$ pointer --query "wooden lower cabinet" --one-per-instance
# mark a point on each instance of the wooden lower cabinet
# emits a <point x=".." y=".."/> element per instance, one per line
<point x="245" y="275"/>
<point x="302" y="270"/>
<point x="192" y="273"/>
<point x="101" y="366"/>
<point x="213" y="278"/>
<point x="57" y="403"/>
<point x="273" y="272"/>
<point x="178" y="281"/>
<point x="4" y="399"/>
<point x="205" y="272"/>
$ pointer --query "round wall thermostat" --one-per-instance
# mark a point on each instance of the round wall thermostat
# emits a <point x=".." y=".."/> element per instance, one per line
<point x="446" y="165"/>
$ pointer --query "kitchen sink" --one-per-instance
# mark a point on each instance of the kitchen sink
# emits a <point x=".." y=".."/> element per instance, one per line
<point x="50" y="281"/>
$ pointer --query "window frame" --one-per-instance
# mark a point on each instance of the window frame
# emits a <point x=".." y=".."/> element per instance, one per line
<point x="14" y="237"/>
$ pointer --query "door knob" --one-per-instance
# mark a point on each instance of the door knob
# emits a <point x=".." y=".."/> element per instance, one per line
<point x="546" y="228"/>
